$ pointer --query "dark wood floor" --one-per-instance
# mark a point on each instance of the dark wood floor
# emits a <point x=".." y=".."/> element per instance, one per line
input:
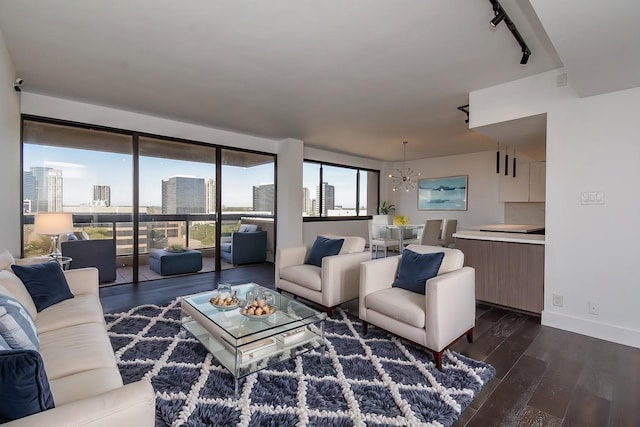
<point x="545" y="376"/>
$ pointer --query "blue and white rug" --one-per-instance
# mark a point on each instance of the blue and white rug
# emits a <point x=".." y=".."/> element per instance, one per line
<point x="372" y="380"/>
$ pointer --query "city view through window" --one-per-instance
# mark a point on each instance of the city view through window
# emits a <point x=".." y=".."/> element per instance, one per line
<point x="90" y="174"/>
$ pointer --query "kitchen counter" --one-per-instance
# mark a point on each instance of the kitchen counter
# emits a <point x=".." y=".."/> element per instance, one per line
<point x="509" y="267"/>
<point x="501" y="236"/>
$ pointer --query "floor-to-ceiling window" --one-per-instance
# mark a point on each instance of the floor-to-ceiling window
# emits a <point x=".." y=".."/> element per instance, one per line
<point x="248" y="194"/>
<point x="104" y="177"/>
<point x="81" y="171"/>
<point x="177" y="198"/>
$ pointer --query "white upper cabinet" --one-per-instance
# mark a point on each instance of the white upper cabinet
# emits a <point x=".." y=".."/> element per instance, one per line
<point x="537" y="181"/>
<point x="527" y="186"/>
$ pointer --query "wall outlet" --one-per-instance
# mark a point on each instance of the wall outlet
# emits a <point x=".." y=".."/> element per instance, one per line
<point x="557" y="300"/>
<point x="593" y="308"/>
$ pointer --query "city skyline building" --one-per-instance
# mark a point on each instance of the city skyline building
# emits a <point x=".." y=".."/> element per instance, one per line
<point x="327" y="196"/>
<point x="183" y="195"/>
<point x="102" y="195"/>
<point x="263" y="197"/>
<point x="307" y="206"/>
<point x="210" y="195"/>
<point x="47" y="189"/>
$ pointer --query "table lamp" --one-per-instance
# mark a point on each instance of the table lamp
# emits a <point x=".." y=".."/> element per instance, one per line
<point x="53" y="224"/>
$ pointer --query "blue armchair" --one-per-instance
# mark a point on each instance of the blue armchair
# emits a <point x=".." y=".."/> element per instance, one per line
<point x="246" y="246"/>
<point x="100" y="253"/>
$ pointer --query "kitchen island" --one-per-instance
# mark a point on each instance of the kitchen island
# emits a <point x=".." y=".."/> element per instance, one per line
<point x="509" y="267"/>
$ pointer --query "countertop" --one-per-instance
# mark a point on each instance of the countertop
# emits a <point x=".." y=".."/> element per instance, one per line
<point x="496" y="236"/>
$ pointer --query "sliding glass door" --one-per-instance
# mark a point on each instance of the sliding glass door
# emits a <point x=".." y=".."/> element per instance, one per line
<point x="83" y="172"/>
<point x="177" y="201"/>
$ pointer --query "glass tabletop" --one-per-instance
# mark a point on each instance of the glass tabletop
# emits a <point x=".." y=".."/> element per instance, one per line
<point x="240" y="328"/>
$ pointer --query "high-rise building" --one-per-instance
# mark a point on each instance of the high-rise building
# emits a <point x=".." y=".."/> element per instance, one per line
<point x="47" y="190"/>
<point x="263" y="197"/>
<point x="102" y="195"/>
<point x="28" y="191"/>
<point x="210" y="195"/>
<point x="307" y="208"/>
<point x="327" y="196"/>
<point x="183" y="195"/>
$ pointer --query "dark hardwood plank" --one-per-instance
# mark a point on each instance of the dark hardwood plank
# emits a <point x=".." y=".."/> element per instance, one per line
<point x="533" y="417"/>
<point x="554" y="391"/>
<point x="508" y="402"/>
<point x="587" y="409"/>
<point x="466" y="415"/>
<point x="625" y="410"/>
<point x="505" y="356"/>
<point x="124" y="297"/>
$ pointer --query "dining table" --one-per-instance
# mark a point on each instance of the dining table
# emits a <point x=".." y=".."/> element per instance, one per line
<point x="401" y="229"/>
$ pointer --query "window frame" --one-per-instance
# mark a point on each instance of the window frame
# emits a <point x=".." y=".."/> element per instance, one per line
<point x="358" y="170"/>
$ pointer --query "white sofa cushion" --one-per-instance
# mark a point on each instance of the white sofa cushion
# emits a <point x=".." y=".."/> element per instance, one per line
<point x="400" y="304"/>
<point x="85" y="308"/>
<point x="76" y="349"/>
<point x="16" y="289"/>
<point x="304" y="275"/>
<point x="6" y="259"/>
<point x="84" y="384"/>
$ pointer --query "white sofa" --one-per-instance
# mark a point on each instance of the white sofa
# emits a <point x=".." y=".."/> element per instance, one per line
<point x="332" y="284"/>
<point x="79" y="361"/>
<point x="435" y="320"/>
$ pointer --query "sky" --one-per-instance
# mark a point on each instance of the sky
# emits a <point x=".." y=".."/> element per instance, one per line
<point x="82" y="169"/>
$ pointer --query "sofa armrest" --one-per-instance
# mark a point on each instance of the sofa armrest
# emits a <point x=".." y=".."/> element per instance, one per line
<point x="130" y="405"/>
<point x="341" y="277"/>
<point x="249" y="247"/>
<point x="450" y="301"/>
<point x="286" y="257"/>
<point x="83" y="280"/>
<point x="376" y="275"/>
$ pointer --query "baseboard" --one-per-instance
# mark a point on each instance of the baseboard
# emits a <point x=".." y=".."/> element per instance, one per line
<point x="592" y="328"/>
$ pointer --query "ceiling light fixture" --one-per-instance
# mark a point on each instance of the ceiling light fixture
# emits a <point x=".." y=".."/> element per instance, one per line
<point x="407" y="178"/>
<point x="501" y="15"/>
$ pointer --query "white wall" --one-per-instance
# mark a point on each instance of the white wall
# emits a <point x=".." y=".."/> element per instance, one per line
<point x="483" y="206"/>
<point x="10" y="159"/>
<point x="591" y="251"/>
<point x="289" y="203"/>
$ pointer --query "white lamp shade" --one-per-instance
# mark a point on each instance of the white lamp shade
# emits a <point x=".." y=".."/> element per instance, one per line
<point x="53" y="223"/>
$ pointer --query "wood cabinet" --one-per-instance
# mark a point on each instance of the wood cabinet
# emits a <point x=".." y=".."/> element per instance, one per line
<point x="507" y="274"/>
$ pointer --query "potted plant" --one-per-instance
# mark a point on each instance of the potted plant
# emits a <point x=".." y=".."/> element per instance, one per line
<point x="385" y="208"/>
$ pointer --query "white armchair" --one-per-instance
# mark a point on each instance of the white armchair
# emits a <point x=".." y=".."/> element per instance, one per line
<point x="434" y="320"/>
<point x="332" y="284"/>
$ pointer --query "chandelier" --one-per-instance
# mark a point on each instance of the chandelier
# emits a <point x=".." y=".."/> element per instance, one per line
<point x="407" y="178"/>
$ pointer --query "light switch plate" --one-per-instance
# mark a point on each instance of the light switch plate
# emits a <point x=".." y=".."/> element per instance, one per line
<point x="592" y="198"/>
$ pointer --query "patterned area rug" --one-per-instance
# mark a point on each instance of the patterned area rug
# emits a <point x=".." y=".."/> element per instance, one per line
<point x="371" y="380"/>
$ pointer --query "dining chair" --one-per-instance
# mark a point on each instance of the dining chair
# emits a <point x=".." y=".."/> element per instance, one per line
<point x="376" y="240"/>
<point x="431" y="232"/>
<point x="449" y="228"/>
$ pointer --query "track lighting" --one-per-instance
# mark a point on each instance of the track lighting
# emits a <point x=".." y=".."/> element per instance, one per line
<point x="501" y="15"/>
<point x="497" y="19"/>
<point x="465" y="109"/>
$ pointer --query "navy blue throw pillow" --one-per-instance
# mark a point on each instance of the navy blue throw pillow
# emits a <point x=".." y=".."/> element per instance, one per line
<point x="323" y="247"/>
<point x="24" y="389"/>
<point x="415" y="269"/>
<point x="45" y="282"/>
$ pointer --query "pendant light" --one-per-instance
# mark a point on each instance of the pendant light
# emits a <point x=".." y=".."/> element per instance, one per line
<point x="405" y="179"/>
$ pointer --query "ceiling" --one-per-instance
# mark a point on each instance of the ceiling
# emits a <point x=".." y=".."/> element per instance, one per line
<point x="356" y="77"/>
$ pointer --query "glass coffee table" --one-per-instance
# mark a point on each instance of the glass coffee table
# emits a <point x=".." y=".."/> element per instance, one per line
<point x="245" y="343"/>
